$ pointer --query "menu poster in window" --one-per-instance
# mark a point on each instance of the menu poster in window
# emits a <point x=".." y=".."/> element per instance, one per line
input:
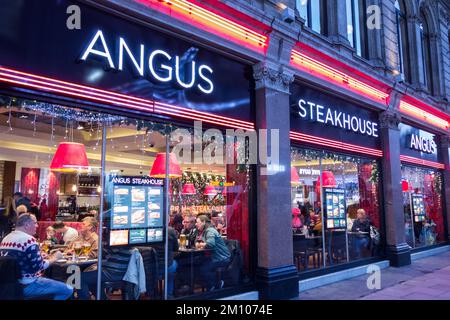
<point x="155" y="235"/>
<point x="137" y="202"/>
<point x="418" y="207"/>
<point x="138" y="236"/>
<point x="155" y="206"/>
<point x="335" y="208"/>
<point x="121" y="207"/>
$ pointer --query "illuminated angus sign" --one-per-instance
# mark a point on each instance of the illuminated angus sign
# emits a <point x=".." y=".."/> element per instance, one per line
<point x="418" y="143"/>
<point x="317" y="113"/>
<point x="130" y="57"/>
<point x="170" y="68"/>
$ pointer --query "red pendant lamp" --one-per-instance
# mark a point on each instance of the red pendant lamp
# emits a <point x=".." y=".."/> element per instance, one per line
<point x="328" y="179"/>
<point x="405" y="186"/>
<point x="294" y="176"/>
<point x="159" y="166"/>
<point x="69" y="157"/>
<point x="210" y="191"/>
<point x="188" y="188"/>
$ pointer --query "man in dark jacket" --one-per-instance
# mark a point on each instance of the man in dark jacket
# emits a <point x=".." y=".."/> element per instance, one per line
<point x="21" y="200"/>
<point x="361" y="228"/>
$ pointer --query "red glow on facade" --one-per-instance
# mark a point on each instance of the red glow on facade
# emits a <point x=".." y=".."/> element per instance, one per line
<point x="112" y="98"/>
<point x="312" y="65"/>
<point x="204" y="18"/>
<point x="423" y="115"/>
<point x="334" y="144"/>
<point x="422" y="162"/>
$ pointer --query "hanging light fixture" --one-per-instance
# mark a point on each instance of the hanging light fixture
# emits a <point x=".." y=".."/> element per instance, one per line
<point x="188" y="188"/>
<point x="405" y="186"/>
<point x="328" y="179"/>
<point x="210" y="191"/>
<point x="294" y="176"/>
<point x="159" y="166"/>
<point x="69" y="157"/>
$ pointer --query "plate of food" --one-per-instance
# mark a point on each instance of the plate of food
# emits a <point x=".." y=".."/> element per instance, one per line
<point x="120" y="220"/>
<point x="138" y="195"/>
<point x="121" y="191"/>
<point x="120" y="209"/>
<point x="138" y="216"/>
<point x="153" y="206"/>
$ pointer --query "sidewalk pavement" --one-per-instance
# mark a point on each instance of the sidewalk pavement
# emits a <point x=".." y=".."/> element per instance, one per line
<point x="424" y="279"/>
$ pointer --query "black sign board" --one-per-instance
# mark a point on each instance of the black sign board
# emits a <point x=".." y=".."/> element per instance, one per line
<point x="111" y="53"/>
<point x="335" y="208"/>
<point x="319" y="114"/>
<point x="418" y="143"/>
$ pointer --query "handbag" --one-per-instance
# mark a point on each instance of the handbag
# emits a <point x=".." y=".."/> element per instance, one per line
<point x="375" y="235"/>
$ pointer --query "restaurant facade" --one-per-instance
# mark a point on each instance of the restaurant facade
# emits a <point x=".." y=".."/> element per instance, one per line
<point x="94" y="95"/>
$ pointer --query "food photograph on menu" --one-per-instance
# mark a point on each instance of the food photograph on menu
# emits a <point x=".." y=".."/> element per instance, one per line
<point x="138" y="236"/>
<point x="137" y="217"/>
<point x="118" y="237"/>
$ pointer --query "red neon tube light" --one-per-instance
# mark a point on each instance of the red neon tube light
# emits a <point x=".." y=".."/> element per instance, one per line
<point x="113" y="98"/>
<point x="422" y="162"/>
<point x="191" y="12"/>
<point x="424" y="115"/>
<point x="334" y="144"/>
<point x="311" y="65"/>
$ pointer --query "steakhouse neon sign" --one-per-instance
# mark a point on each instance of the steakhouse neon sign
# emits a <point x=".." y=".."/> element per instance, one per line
<point x="159" y="71"/>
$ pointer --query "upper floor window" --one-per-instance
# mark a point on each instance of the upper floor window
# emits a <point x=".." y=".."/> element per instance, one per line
<point x="402" y="40"/>
<point x="426" y="54"/>
<point x="312" y="11"/>
<point x="356" y="26"/>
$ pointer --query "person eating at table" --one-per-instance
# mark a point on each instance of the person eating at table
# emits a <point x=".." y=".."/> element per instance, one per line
<point x="209" y="238"/>
<point x="21" y="244"/>
<point x="69" y="234"/>
<point x="87" y="237"/>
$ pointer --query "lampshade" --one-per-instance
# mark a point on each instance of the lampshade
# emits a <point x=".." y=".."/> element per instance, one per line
<point x="69" y="157"/>
<point x="159" y="166"/>
<point x="188" y="188"/>
<point x="210" y="191"/>
<point x="405" y="186"/>
<point x="328" y="179"/>
<point x="294" y="176"/>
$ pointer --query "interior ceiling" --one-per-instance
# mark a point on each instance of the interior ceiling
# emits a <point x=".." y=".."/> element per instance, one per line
<point x="31" y="144"/>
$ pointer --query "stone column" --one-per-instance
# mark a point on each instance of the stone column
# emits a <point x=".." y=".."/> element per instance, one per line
<point x="374" y="39"/>
<point x="445" y="151"/>
<point x="415" y="52"/>
<point x="276" y="275"/>
<point x="337" y="21"/>
<point x="397" y="250"/>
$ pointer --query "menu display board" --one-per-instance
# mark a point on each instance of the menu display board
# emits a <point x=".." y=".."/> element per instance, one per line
<point x="418" y="207"/>
<point x="137" y="206"/>
<point x="335" y="208"/>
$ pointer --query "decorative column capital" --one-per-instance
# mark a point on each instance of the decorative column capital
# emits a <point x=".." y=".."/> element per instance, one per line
<point x="266" y="77"/>
<point x="445" y="141"/>
<point x="390" y="120"/>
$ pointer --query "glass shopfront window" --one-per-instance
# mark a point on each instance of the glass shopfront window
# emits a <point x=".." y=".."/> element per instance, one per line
<point x="96" y="183"/>
<point x="422" y="203"/>
<point x="335" y="207"/>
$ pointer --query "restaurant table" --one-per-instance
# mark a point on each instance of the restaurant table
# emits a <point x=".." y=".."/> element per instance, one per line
<point x="58" y="269"/>
<point x="191" y="254"/>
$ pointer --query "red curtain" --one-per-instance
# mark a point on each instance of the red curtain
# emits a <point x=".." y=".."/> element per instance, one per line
<point x="52" y="197"/>
<point x="368" y="193"/>
<point x="237" y="210"/>
<point x="433" y="203"/>
<point x="29" y="183"/>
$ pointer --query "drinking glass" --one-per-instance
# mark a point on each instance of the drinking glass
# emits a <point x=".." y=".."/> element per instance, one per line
<point x="86" y="249"/>
<point x="183" y="240"/>
<point x="78" y="249"/>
